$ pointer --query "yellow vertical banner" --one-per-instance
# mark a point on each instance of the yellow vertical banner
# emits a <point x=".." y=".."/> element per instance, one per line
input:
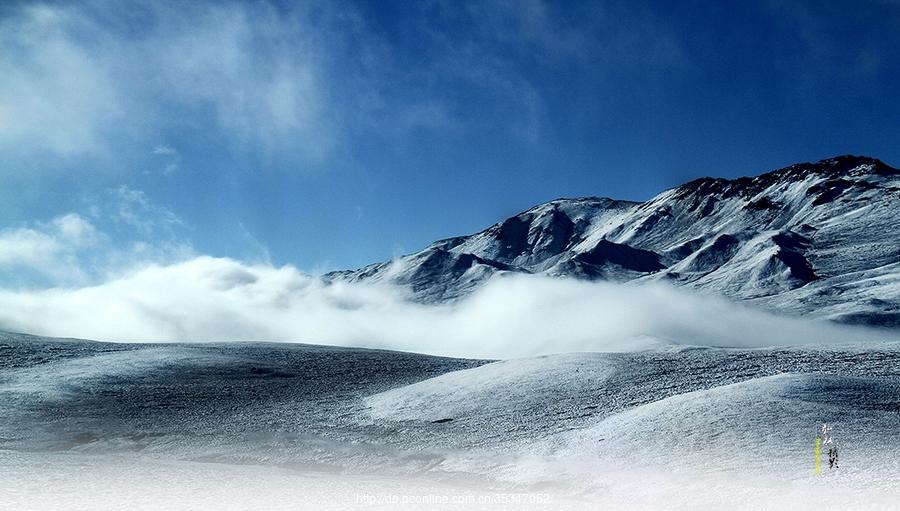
<point x="818" y="454"/>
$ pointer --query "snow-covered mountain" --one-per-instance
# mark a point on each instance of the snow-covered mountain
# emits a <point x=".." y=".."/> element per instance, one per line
<point x="817" y="239"/>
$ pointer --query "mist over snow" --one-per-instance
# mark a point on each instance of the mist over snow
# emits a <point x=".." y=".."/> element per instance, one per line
<point x="219" y="299"/>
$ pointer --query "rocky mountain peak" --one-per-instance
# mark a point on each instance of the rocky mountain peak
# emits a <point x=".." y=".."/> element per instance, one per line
<point x="812" y="238"/>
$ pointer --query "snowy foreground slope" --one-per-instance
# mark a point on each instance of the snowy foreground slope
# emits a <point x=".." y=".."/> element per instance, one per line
<point x="87" y="425"/>
<point x="818" y="239"/>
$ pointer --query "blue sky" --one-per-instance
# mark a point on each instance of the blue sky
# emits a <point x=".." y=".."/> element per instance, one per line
<point x="332" y="134"/>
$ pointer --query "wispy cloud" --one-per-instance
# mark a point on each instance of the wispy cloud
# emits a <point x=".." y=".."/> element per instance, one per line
<point x="829" y="51"/>
<point x="170" y="157"/>
<point x="259" y="252"/>
<point x="56" y="93"/>
<point x="164" y="150"/>
<point x="121" y="230"/>
<point x="81" y="79"/>
<point x="132" y="209"/>
<point x="291" y="84"/>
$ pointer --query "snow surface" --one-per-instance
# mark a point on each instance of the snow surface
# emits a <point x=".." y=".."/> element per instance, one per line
<point x="94" y="425"/>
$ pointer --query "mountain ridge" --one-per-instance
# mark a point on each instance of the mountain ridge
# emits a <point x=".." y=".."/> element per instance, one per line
<point x="812" y="239"/>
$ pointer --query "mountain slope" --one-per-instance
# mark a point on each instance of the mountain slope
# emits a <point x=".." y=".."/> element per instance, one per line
<point x="813" y="238"/>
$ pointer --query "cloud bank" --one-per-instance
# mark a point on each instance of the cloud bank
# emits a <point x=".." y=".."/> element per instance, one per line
<point x="120" y="271"/>
<point x="216" y="299"/>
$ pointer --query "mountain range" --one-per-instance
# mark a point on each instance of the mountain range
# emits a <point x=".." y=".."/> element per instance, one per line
<point x="812" y="239"/>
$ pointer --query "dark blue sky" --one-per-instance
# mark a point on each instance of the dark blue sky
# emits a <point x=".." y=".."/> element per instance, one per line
<point x="334" y="134"/>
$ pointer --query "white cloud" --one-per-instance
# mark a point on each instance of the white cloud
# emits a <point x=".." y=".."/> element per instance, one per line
<point x="78" y="80"/>
<point x="296" y="83"/>
<point x="25" y="246"/>
<point x="164" y="150"/>
<point x="208" y="298"/>
<point x="47" y="249"/>
<point x="72" y="249"/>
<point x="54" y="92"/>
<point x="75" y="230"/>
<point x="134" y="210"/>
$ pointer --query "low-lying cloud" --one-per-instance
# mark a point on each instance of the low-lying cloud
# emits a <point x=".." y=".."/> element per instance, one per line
<point x="216" y="299"/>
